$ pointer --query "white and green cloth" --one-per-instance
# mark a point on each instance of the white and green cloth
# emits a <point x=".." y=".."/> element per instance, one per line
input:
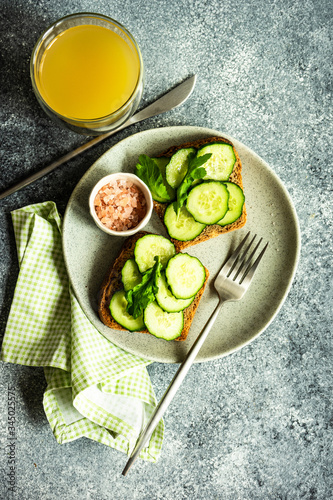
<point x="94" y="389"/>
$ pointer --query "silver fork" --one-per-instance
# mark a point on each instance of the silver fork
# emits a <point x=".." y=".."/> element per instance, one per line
<point x="231" y="283"/>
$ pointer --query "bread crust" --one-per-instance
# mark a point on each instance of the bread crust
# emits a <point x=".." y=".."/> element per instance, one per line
<point x="213" y="230"/>
<point x="112" y="282"/>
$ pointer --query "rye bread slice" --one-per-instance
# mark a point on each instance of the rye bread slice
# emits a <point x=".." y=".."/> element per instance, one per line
<point x="213" y="230"/>
<point x="112" y="282"/>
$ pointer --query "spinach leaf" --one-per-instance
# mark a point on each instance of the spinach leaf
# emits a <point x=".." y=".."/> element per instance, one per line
<point x="144" y="293"/>
<point x="148" y="171"/>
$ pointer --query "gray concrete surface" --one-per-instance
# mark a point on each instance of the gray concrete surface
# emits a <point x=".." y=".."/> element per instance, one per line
<point x="257" y="424"/>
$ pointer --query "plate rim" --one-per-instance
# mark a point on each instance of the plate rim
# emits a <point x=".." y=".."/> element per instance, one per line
<point x="209" y="131"/>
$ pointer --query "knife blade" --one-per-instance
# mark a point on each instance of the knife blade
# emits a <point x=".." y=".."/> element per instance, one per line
<point x="172" y="99"/>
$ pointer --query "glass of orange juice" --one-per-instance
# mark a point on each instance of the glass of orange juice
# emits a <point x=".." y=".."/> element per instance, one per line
<point x="87" y="73"/>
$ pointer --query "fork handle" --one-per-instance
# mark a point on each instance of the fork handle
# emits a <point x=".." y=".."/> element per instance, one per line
<point x="172" y="389"/>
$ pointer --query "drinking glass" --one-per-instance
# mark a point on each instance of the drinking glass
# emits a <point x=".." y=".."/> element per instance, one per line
<point x="94" y="125"/>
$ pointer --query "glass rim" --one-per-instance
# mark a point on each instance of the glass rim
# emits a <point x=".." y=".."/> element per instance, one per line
<point x="83" y="15"/>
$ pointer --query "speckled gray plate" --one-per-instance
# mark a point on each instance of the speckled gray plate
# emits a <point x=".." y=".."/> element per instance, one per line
<point x="89" y="252"/>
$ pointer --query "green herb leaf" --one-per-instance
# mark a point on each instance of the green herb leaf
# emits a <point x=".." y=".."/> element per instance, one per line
<point x="144" y="293"/>
<point x="149" y="172"/>
<point x="195" y="171"/>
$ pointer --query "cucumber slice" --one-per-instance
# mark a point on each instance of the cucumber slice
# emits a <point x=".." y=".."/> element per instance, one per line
<point x="235" y="204"/>
<point x="118" y="306"/>
<point x="184" y="227"/>
<point x="162" y="162"/>
<point x="150" y="246"/>
<point x="177" y="167"/>
<point x="166" y="300"/>
<point x="185" y="275"/>
<point x="161" y="324"/>
<point x="130" y="275"/>
<point x="221" y="163"/>
<point x="208" y="202"/>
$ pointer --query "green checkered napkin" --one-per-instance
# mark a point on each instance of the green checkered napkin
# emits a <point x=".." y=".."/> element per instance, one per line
<point x="94" y="389"/>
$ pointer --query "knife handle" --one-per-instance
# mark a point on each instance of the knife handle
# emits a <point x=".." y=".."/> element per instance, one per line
<point x="63" y="159"/>
<point x="167" y="102"/>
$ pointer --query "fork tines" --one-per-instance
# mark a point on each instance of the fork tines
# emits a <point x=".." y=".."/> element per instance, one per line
<point x="237" y="262"/>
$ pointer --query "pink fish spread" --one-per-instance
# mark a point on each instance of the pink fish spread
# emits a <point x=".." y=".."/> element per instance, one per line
<point x="120" y="205"/>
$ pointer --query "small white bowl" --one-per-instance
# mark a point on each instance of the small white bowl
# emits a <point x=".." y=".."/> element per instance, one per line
<point x="141" y="185"/>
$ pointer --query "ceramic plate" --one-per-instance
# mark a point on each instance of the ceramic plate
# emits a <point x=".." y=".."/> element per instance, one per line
<point x="89" y="252"/>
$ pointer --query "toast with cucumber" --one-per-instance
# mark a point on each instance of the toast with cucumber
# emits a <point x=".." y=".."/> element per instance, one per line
<point x="152" y="288"/>
<point x="197" y="189"/>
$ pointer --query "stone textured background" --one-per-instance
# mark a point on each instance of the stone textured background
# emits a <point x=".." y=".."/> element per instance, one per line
<point x="257" y="424"/>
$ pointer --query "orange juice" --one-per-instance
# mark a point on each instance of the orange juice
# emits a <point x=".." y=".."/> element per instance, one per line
<point x="88" y="72"/>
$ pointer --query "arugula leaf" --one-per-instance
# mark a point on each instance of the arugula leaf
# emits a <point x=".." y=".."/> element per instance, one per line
<point x="195" y="171"/>
<point x="144" y="293"/>
<point x="148" y="171"/>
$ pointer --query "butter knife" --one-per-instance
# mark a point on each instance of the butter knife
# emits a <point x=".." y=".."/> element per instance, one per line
<point x="167" y="102"/>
